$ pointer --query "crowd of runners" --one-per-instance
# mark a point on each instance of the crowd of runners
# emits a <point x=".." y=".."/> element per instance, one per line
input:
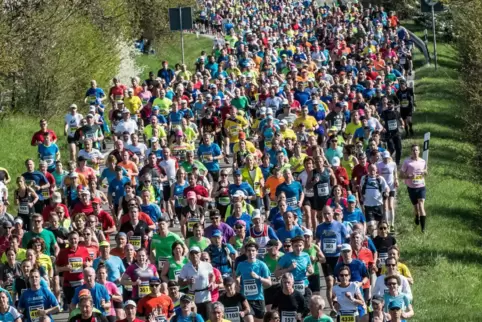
<point x="235" y="184"/>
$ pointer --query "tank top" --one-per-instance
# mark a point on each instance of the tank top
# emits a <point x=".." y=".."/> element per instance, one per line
<point x="262" y="237"/>
<point x="125" y="204"/>
<point x="23" y="208"/>
<point x="322" y="188"/>
<point x="175" y="268"/>
<point x="223" y="198"/>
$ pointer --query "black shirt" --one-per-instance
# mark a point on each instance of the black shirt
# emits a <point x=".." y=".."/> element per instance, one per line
<point x="294" y="302"/>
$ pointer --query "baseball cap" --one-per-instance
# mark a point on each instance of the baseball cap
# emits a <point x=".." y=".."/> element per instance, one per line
<point x="194" y="249"/>
<point x="191" y="195"/>
<point x="18" y="220"/>
<point x="262" y="110"/>
<point x="154" y="139"/>
<point x="90" y="115"/>
<point x="74" y="175"/>
<point x="81" y="158"/>
<point x="73" y="105"/>
<point x="85" y="191"/>
<point x="345" y="247"/>
<point x="217" y="233"/>
<point x="377" y="299"/>
<point x="272" y="243"/>
<point x="255" y="214"/>
<point x="155" y="108"/>
<point x="239" y="193"/>
<point x="179" y="133"/>
<point x="269" y="111"/>
<point x="7" y="224"/>
<point x="335" y="161"/>
<point x="395" y="305"/>
<point x="154" y="280"/>
<point x="237" y="172"/>
<point x="351" y="198"/>
<point x="56" y="197"/>
<point x="307" y="232"/>
<point x="96" y="200"/>
<point x="283" y="122"/>
<point x="124" y="111"/>
<point x="228" y="280"/>
<point x="240" y="223"/>
<point x="92" y="108"/>
<point x="385" y="154"/>
<point x="333" y="129"/>
<point x="130" y="90"/>
<point x="185" y="298"/>
<point x="242" y="135"/>
<point x="84" y="293"/>
<point x="117" y="168"/>
<point x="104" y="243"/>
<point x="130" y="302"/>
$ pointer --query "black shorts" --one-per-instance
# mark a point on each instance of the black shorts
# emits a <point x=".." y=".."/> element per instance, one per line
<point x="111" y="318"/>
<point x="405" y="112"/>
<point x="270" y="293"/>
<point x="70" y="140"/>
<point x="118" y="305"/>
<point x="69" y="293"/>
<point x="314" y="282"/>
<point x="320" y="202"/>
<point x="392" y="193"/>
<point x="416" y="194"/>
<point x="374" y="213"/>
<point x="328" y="267"/>
<point x="309" y="201"/>
<point x="213" y="176"/>
<point x="166" y="192"/>
<point x="258" y="308"/>
<point x="178" y="212"/>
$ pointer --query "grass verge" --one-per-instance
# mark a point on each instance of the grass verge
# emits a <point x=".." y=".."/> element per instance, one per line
<point x="447" y="261"/>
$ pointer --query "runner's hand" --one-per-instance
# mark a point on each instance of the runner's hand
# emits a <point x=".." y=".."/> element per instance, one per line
<point x="255" y="276"/>
<point x="41" y="312"/>
<point x="292" y="266"/>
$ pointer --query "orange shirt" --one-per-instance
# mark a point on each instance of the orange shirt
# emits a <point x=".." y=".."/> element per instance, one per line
<point x="272" y="183"/>
<point x="131" y="168"/>
<point x="92" y="249"/>
<point x="142" y="216"/>
<point x="119" y="252"/>
<point x="149" y="303"/>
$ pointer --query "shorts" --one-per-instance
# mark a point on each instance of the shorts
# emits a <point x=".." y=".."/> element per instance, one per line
<point x="374" y="213"/>
<point x="314" y="282"/>
<point x="166" y="192"/>
<point x="258" y="308"/>
<point x="309" y="201"/>
<point x="320" y="202"/>
<point x="328" y="267"/>
<point x="270" y="294"/>
<point x="111" y="318"/>
<point x="213" y="176"/>
<point x="118" y="305"/>
<point x="71" y="139"/>
<point x="416" y="194"/>
<point x="405" y="112"/>
<point x="69" y="293"/>
<point x="392" y="193"/>
<point x="178" y="212"/>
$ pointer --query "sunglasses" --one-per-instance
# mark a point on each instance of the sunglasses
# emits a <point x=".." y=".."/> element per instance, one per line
<point x="223" y="175"/>
<point x="286" y="246"/>
<point x="343" y="275"/>
<point x="391" y="284"/>
<point x="383" y="228"/>
<point x="215" y="217"/>
<point x="238" y="227"/>
<point x="37" y="221"/>
<point x="155" y="285"/>
<point x="391" y="265"/>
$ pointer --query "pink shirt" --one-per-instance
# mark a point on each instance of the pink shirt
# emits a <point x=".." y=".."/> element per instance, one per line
<point x="414" y="169"/>
<point x="144" y="275"/>
<point x="112" y="289"/>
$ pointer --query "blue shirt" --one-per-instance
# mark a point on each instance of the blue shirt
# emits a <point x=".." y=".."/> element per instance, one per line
<point x="193" y="317"/>
<point x="354" y="217"/>
<point x="231" y="220"/>
<point x="32" y="300"/>
<point x="276" y="219"/>
<point x="302" y="263"/>
<point x="283" y="234"/>
<point x="331" y="236"/>
<point x="110" y="175"/>
<point x="273" y="153"/>
<point x="301" y="97"/>
<point x="293" y="193"/>
<point x="244" y="187"/>
<point x="11" y="315"/>
<point x="48" y="153"/>
<point x="115" y="267"/>
<point x="357" y="268"/>
<point x="152" y="210"/>
<point x="212" y="150"/>
<point x="250" y="287"/>
<point x="38" y="179"/>
<point x="94" y="92"/>
<point x="116" y="188"/>
<point x="99" y="293"/>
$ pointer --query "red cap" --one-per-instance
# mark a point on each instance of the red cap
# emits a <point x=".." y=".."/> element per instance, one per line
<point x="96" y="200"/>
<point x="242" y="135"/>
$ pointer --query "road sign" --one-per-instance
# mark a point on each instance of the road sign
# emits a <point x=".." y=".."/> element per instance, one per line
<point x="426" y="5"/>
<point x="180" y="18"/>
<point x="426" y="140"/>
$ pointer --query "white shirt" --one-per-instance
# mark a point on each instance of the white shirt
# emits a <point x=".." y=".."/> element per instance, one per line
<point x="373" y="196"/>
<point x="345" y="303"/>
<point x="381" y="289"/>
<point x="201" y="280"/>
<point x="169" y="167"/>
<point x="73" y="122"/>
<point x="129" y="126"/>
<point x="388" y="172"/>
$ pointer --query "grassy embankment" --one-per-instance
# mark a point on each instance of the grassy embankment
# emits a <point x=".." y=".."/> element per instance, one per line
<point x="446" y="262"/>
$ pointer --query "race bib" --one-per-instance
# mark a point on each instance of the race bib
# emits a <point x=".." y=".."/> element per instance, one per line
<point x="144" y="289"/>
<point x="45" y="193"/>
<point x="250" y="288"/>
<point x="190" y="224"/>
<point x="234" y="130"/>
<point x="347" y="316"/>
<point x="262" y="251"/>
<point x="92" y="99"/>
<point x="232" y="314"/>
<point x="34" y="314"/>
<point x="49" y="159"/>
<point x="135" y="241"/>
<point x="404" y="103"/>
<point x="161" y="318"/>
<point x="403" y="60"/>
<point x="161" y="261"/>
<point x="274" y="279"/>
<point x="224" y="201"/>
<point x="309" y="193"/>
<point x="75" y="284"/>
<point x="176" y="274"/>
<point x="76" y="264"/>
<point x="300" y="287"/>
<point x="329" y="245"/>
<point x="392" y="125"/>
<point x="288" y="316"/>
<point x="128" y="287"/>
<point x="23" y="208"/>
<point x="73" y="129"/>
<point x="206" y="157"/>
<point x="292" y="202"/>
<point x="418" y="179"/>
<point x="323" y="190"/>
<point x="382" y="257"/>
<point x="89" y="136"/>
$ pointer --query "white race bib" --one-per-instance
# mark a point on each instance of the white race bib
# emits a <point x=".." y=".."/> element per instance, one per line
<point x="250" y="288"/>
<point x="232" y="314"/>
<point x="329" y="245"/>
<point x="381" y="259"/>
<point x="418" y="179"/>
<point x="392" y="125"/>
<point x="288" y="316"/>
<point x="300" y="287"/>
<point x="274" y="279"/>
<point x="23" y="208"/>
<point x="323" y="190"/>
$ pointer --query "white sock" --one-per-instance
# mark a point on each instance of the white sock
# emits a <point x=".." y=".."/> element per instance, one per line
<point x="389" y="217"/>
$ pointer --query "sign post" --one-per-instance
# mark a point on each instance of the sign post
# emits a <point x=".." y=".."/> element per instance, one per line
<point x="426" y="141"/>
<point x="432" y="6"/>
<point x="180" y="19"/>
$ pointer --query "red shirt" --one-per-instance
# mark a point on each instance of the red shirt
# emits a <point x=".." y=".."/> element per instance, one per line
<point x="48" y="209"/>
<point x="341" y="177"/>
<point x="77" y="259"/>
<point x="39" y="137"/>
<point x="199" y="190"/>
<point x="142" y="216"/>
<point x="358" y="172"/>
<point x="106" y="221"/>
<point x="93" y="250"/>
<point x="80" y="207"/>
<point x="117" y="90"/>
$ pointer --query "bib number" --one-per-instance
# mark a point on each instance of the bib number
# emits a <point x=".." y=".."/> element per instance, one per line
<point x="323" y="190"/>
<point x="418" y="179"/>
<point x="23" y="208"/>
<point x="77" y="264"/>
<point x="34" y="314"/>
<point x="274" y="279"/>
<point x="347" y="316"/>
<point x="300" y="287"/>
<point x="250" y="288"/>
<point x="329" y="245"/>
<point x="392" y="125"/>
<point x="135" y="241"/>
<point x="161" y="261"/>
<point x="190" y="224"/>
<point x="144" y="289"/>
<point x="232" y="314"/>
<point x="288" y="316"/>
<point x="381" y="259"/>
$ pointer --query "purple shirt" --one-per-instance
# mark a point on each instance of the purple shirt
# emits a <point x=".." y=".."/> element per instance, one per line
<point x="227" y="232"/>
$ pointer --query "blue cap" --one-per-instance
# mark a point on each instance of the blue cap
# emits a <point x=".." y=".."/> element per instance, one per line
<point x="217" y="233"/>
<point x="395" y="305"/>
<point x="237" y="172"/>
<point x="351" y="198"/>
<point x="154" y="280"/>
<point x="155" y="107"/>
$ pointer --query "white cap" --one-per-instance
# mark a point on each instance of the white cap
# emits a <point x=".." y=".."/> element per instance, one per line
<point x="18" y="220"/>
<point x="73" y="106"/>
<point x="154" y="139"/>
<point x="262" y="110"/>
<point x="195" y="249"/>
<point x="256" y="214"/>
<point x="239" y="193"/>
<point x="345" y="247"/>
<point x="92" y="108"/>
<point x="269" y="111"/>
<point x="386" y="154"/>
<point x="307" y="232"/>
<point x="130" y="302"/>
<point x="335" y="161"/>
<point x="283" y="122"/>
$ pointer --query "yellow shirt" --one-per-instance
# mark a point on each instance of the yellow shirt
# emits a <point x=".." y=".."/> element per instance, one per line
<point x="164" y="105"/>
<point x="133" y="104"/>
<point x="190" y="134"/>
<point x="233" y="127"/>
<point x="309" y="122"/>
<point x="249" y="146"/>
<point x="288" y="134"/>
<point x="21" y="255"/>
<point x="253" y="179"/>
<point x="297" y="163"/>
<point x="45" y="262"/>
<point x="148" y="131"/>
<point x="352" y="127"/>
<point x="402" y="269"/>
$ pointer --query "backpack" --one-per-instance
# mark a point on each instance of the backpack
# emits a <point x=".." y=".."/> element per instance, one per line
<point x="364" y="187"/>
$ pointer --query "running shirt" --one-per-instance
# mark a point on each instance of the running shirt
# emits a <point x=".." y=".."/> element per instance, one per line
<point x="135" y="272"/>
<point x="299" y="273"/>
<point x="252" y="288"/>
<point x="387" y="171"/>
<point x="293" y="193"/>
<point x="414" y="169"/>
<point x="31" y="301"/>
<point x="331" y="236"/>
<point x="73" y="123"/>
<point x="347" y="307"/>
<point x="206" y="153"/>
<point x="10" y="315"/>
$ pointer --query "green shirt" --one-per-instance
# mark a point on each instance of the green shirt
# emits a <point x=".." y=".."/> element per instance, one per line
<point x="272" y="263"/>
<point x="202" y="244"/>
<point x="163" y="245"/>
<point x="175" y="268"/>
<point x="46" y="235"/>
<point x="188" y="167"/>
<point x="323" y="318"/>
<point x="312" y="252"/>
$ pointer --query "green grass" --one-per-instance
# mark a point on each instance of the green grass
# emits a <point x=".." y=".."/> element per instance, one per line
<point x="446" y="262"/>
<point x="171" y="51"/>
